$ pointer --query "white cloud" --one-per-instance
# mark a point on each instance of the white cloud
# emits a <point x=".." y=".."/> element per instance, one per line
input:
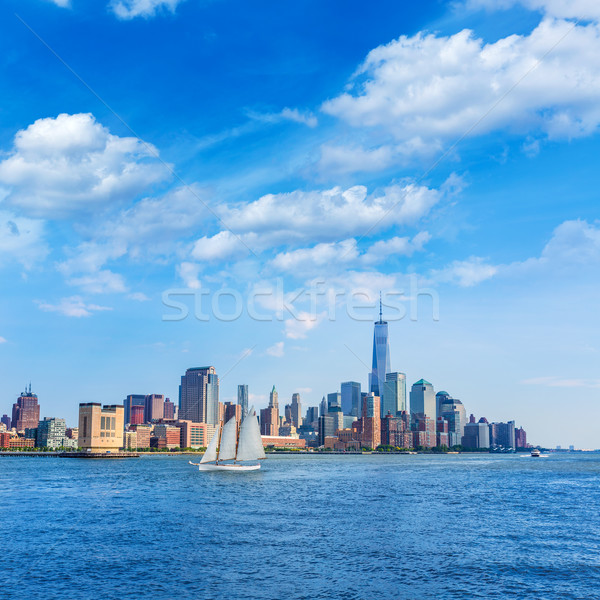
<point x="138" y="297"/>
<point x="62" y="3"/>
<point x="189" y="274"/>
<point x="328" y="215"/>
<point x="100" y="282"/>
<point x="319" y="256"/>
<point x="21" y="240"/>
<point x="72" y="307"/>
<point x="352" y="159"/>
<point x="130" y="9"/>
<point x="563" y="9"/>
<point x="426" y="89"/>
<point x="466" y="273"/>
<point x="72" y="163"/>
<point x="276" y="350"/>
<point x="287" y="114"/>
<point x="297" y="327"/>
<point x="333" y="256"/>
<point x="3" y="340"/>
<point x="221" y="246"/>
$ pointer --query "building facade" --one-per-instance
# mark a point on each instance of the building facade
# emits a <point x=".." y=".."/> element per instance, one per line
<point x="242" y="398"/>
<point x="394" y="394"/>
<point x="155" y="407"/>
<point x="26" y="411"/>
<point x="100" y="427"/>
<point x="381" y="356"/>
<point x="422" y="399"/>
<point x="51" y="433"/>
<point x="199" y="396"/>
<point x="351" y="398"/>
<point x="133" y="400"/>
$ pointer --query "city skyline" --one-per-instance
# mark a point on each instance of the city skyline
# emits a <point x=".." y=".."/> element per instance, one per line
<point x="442" y="150"/>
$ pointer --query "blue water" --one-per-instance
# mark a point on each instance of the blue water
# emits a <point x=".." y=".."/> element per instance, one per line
<point x="349" y="527"/>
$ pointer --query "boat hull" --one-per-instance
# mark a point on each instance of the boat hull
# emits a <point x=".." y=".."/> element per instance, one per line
<point x="232" y="468"/>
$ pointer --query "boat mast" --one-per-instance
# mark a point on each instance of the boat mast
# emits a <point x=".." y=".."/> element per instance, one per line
<point x="237" y="440"/>
<point x="219" y="448"/>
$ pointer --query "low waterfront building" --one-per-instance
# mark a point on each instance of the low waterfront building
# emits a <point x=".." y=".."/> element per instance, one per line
<point x="169" y="436"/>
<point x="477" y="435"/>
<point x="51" y="433"/>
<point x="100" y="427"/>
<point x="278" y="441"/>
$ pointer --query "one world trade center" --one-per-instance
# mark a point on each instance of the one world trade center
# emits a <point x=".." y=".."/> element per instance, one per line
<point x="381" y="355"/>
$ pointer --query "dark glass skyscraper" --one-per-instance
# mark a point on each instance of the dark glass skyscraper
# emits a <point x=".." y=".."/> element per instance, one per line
<point x="199" y="396"/>
<point x="381" y="356"/>
<point x="242" y="399"/>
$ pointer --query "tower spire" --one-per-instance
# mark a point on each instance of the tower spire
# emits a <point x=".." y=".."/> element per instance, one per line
<point x="380" y="308"/>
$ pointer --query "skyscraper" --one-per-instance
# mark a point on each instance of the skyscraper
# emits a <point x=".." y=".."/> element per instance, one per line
<point x="381" y="355"/>
<point x="274" y="399"/>
<point x="155" y="407"/>
<point x="296" y="411"/>
<point x="199" y="396"/>
<point x="242" y="398"/>
<point x="26" y="411"/>
<point x="394" y="394"/>
<point x="351" y="398"/>
<point x="323" y="408"/>
<point x="169" y="409"/>
<point x="422" y="399"/>
<point x="6" y="420"/>
<point x="133" y="400"/>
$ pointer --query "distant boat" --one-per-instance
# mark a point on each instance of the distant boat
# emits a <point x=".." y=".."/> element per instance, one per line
<point x="228" y="444"/>
<point x="536" y="453"/>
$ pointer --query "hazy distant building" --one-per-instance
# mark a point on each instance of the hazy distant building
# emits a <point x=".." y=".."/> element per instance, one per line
<point x="351" y="398"/>
<point x="381" y="356"/>
<point x="323" y="408"/>
<point x="100" y="428"/>
<point x="502" y="435"/>
<point x="453" y="411"/>
<point x="169" y="410"/>
<point x="274" y="399"/>
<point x="394" y="394"/>
<point x="334" y="400"/>
<point x="520" y="438"/>
<point x="326" y="428"/>
<point x="242" y="398"/>
<point x="199" y="396"/>
<point x="477" y="435"/>
<point x="51" y="433"/>
<point x="26" y="411"/>
<point x="422" y="399"/>
<point x="133" y="400"/>
<point x="6" y="420"/>
<point x="296" y="411"/>
<point x="312" y="416"/>
<point x="155" y="407"/>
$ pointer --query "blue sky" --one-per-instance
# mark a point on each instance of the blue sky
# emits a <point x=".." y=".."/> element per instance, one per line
<point x="287" y="162"/>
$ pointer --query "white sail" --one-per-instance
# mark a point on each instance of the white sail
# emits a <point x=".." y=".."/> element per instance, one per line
<point x="228" y="440"/>
<point x="250" y="445"/>
<point x="211" y="451"/>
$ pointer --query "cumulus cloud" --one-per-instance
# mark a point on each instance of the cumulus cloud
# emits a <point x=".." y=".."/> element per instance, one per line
<point x="72" y="163"/>
<point x="427" y="90"/>
<point x="576" y="9"/>
<point x="189" y="274"/>
<point x="73" y="306"/>
<point x="21" y="240"/>
<point x="331" y="256"/>
<point x="276" y="350"/>
<point x="100" y="282"/>
<point x="298" y="327"/>
<point x="130" y="9"/>
<point x="287" y="114"/>
<point x="466" y="273"/>
<point x="328" y="215"/>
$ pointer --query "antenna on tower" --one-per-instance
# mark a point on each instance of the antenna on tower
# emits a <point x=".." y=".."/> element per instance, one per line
<point x="380" y="308"/>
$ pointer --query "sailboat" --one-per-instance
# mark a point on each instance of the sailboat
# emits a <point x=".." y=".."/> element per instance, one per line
<point x="228" y="444"/>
